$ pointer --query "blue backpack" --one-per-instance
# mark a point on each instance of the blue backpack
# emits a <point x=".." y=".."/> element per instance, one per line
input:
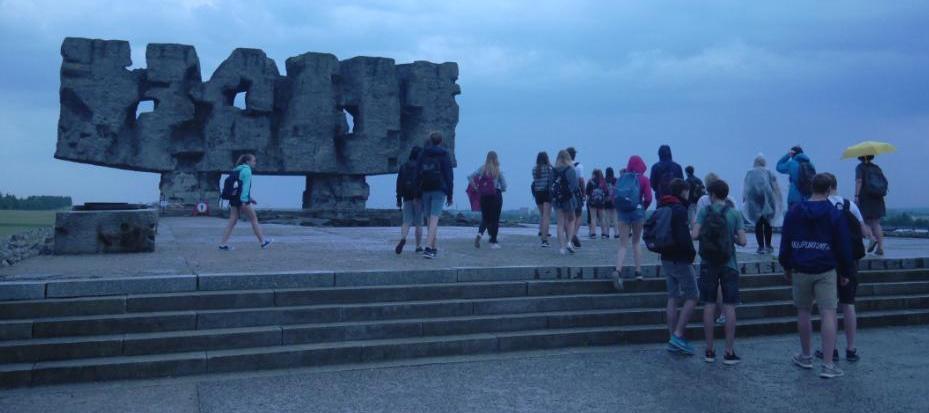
<point x="628" y="194"/>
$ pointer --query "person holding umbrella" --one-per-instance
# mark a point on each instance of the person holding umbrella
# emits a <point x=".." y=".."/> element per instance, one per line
<point x="870" y="188"/>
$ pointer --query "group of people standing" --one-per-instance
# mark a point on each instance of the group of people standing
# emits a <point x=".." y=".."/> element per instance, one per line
<point x="822" y="233"/>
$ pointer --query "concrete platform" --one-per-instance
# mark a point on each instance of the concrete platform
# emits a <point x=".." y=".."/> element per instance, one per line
<point x="187" y="246"/>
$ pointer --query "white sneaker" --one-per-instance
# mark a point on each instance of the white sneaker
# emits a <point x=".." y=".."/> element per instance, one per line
<point x="494" y="245"/>
<point x="562" y="251"/>
<point x="830" y="371"/>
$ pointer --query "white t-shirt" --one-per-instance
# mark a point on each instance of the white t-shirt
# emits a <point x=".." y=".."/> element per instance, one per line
<point x="837" y="200"/>
<point x="580" y="171"/>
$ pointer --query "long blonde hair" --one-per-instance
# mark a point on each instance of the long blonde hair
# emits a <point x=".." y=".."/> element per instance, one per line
<point x="492" y="165"/>
<point x="564" y="158"/>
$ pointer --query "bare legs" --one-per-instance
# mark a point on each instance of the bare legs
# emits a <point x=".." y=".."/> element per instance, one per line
<point x="249" y="213"/>
<point x="405" y="228"/>
<point x="605" y="222"/>
<point x="677" y="323"/>
<point x="878" y="232"/>
<point x="850" y="320"/>
<point x="594" y="217"/>
<point x="545" y="211"/>
<point x="709" y="324"/>
<point x="433" y="227"/>
<point x="624" y="243"/>
<point x="827" y="330"/>
<point x="565" y="227"/>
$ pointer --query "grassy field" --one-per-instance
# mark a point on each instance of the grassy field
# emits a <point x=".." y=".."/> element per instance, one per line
<point x="12" y="222"/>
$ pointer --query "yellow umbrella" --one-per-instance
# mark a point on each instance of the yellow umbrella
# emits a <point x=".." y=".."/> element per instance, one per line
<point x="868" y="148"/>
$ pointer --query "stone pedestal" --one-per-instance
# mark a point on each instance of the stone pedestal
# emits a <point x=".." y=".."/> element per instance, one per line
<point x="335" y="192"/>
<point x="100" y="232"/>
<point x="183" y="190"/>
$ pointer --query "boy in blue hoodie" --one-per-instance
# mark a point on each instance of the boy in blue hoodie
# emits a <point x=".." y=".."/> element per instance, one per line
<point x="793" y="164"/>
<point x="816" y="255"/>
<point x="677" y="265"/>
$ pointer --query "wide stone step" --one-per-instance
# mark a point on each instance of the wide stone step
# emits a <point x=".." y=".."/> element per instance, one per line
<point x="33" y="350"/>
<point x="231" y="299"/>
<point x="268" y="316"/>
<point x="289" y="356"/>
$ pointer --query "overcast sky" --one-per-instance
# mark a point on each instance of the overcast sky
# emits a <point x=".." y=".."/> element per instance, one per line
<point x="720" y="81"/>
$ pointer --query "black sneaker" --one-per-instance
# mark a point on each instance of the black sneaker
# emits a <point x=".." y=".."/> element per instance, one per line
<point x="545" y="243"/>
<point x="851" y="356"/>
<point x="730" y="359"/>
<point x="224" y="248"/>
<point x="429" y="253"/>
<point x="639" y="276"/>
<point x="399" y="248"/>
<point x="576" y="242"/>
<point x="593" y="236"/>
<point x="835" y="354"/>
<point x="761" y="251"/>
<point x="709" y="356"/>
<point x="266" y="244"/>
<point x="419" y="250"/>
<point x="604" y="236"/>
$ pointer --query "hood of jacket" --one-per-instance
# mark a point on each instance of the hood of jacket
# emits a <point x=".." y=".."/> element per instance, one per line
<point x="435" y="151"/>
<point x="241" y="167"/>
<point x="801" y="157"/>
<point x="815" y="210"/>
<point x="636" y="164"/>
<point x="669" y="200"/>
<point x="664" y="153"/>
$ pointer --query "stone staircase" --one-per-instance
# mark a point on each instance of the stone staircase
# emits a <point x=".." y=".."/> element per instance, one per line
<point x="110" y="329"/>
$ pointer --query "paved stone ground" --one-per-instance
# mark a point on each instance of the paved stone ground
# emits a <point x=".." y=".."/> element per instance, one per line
<point x="188" y="246"/>
<point x="890" y="378"/>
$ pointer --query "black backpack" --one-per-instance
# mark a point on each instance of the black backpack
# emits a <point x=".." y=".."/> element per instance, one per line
<point x="409" y="187"/>
<point x="232" y="187"/>
<point x="657" y="235"/>
<point x="697" y="189"/>
<point x="430" y="176"/>
<point x="875" y="183"/>
<point x="716" y="246"/>
<point x="854" y="228"/>
<point x="805" y="173"/>
<point x="561" y="191"/>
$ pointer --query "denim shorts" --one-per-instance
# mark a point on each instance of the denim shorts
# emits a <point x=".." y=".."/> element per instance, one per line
<point x="413" y="212"/>
<point x="631" y="217"/>
<point x="432" y="203"/>
<point x="681" y="279"/>
<point x="713" y="277"/>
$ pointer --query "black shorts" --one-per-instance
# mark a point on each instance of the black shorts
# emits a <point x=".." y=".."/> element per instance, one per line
<point x="235" y="202"/>
<point x="542" y="197"/>
<point x="848" y="291"/>
<point x="713" y="277"/>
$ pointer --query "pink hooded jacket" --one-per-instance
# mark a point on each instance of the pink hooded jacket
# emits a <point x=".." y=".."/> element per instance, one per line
<point x="637" y="165"/>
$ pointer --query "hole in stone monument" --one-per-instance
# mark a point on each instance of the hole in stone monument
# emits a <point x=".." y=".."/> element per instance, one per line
<point x="239" y="100"/>
<point x="350" y="120"/>
<point x="144" y="106"/>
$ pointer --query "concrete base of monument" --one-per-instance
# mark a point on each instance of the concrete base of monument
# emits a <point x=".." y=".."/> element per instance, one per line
<point x="105" y="228"/>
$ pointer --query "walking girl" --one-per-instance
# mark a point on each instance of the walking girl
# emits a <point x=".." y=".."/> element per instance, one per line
<point x="490" y="184"/>
<point x="240" y="201"/>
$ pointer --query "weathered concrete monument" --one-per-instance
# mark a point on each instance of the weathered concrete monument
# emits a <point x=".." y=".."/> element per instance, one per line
<point x="297" y="124"/>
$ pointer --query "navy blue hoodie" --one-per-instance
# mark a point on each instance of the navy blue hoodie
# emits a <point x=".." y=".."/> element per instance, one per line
<point x="816" y="239"/>
<point x="683" y="250"/>
<point x="664" y="171"/>
<point x="445" y="160"/>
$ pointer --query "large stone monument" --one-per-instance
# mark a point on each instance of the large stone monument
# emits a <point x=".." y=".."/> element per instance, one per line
<point x="297" y="124"/>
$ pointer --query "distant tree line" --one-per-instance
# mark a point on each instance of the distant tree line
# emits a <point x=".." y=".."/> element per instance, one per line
<point x="34" y="203"/>
<point x="905" y="220"/>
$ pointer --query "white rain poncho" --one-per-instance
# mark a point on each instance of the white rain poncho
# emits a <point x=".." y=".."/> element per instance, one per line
<point x="761" y="195"/>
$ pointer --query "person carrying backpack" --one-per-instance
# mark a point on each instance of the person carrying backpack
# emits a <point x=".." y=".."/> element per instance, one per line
<point x="847" y="292"/>
<point x="237" y="189"/>
<point x="870" y="190"/>
<point x="719" y="229"/>
<point x="597" y="193"/>
<point x="564" y="188"/>
<point x="800" y="171"/>
<point x="579" y="194"/>
<point x="816" y="254"/>
<point x="542" y="177"/>
<point x="490" y="184"/>
<point x="632" y="197"/>
<point x="664" y="171"/>
<point x="697" y="190"/>
<point x="409" y="200"/>
<point x="667" y="232"/>
<point x="762" y="203"/>
<point x="436" y="184"/>
<point x="610" y="209"/>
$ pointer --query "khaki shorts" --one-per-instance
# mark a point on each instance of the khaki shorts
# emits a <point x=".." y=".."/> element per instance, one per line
<point x="821" y="287"/>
